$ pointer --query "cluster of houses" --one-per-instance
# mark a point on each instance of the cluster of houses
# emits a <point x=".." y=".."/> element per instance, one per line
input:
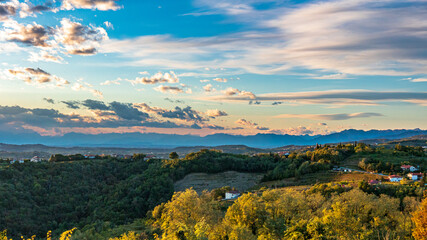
<point x="121" y="156"/>
<point x="33" y="159"/>
<point x="412" y="175"/>
<point x="37" y="159"/>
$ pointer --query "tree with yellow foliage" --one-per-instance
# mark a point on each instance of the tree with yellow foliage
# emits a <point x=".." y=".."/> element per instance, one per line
<point x="3" y="235"/>
<point x="64" y="236"/>
<point x="420" y="220"/>
<point x="247" y="212"/>
<point x="128" y="236"/>
<point x="187" y="216"/>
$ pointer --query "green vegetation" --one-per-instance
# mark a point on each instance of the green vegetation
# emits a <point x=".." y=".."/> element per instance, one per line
<point x="69" y="192"/>
<point x="37" y="197"/>
<point x="134" y="199"/>
<point x="388" y="161"/>
<point x="300" y="163"/>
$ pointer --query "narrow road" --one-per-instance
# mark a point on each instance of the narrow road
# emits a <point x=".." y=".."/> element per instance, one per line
<point x="362" y="171"/>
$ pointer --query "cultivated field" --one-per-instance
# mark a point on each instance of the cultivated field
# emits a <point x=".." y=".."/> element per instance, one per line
<point x="204" y="181"/>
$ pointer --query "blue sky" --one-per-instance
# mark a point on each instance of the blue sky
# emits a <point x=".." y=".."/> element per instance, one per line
<point x="204" y="66"/>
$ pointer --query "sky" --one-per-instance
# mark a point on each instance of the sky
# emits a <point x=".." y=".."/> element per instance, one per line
<point x="212" y="66"/>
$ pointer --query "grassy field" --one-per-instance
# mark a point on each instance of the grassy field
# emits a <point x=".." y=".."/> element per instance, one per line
<point x="204" y="181"/>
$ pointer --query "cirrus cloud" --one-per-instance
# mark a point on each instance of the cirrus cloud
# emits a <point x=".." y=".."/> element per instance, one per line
<point x="338" y="116"/>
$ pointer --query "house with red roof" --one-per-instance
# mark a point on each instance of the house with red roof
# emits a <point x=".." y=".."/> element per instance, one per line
<point x="415" y="176"/>
<point x="395" y="178"/>
<point x="232" y="195"/>
<point x="408" y="168"/>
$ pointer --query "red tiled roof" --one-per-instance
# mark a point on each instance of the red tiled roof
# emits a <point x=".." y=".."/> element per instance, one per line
<point x="233" y="192"/>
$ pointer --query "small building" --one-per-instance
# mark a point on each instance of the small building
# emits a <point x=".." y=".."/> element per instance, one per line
<point x="284" y="153"/>
<point x="90" y="156"/>
<point x="16" y="161"/>
<point x="408" y="168"/>
<point x="232" y="195"/>
<point x="373" y="182"/>
<point x="395" y="178"/>
<point x="415" y="176"/>
<point x="35" y="159"/>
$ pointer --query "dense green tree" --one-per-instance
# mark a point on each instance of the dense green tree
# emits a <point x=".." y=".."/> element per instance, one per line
<point x="173" y="155"/>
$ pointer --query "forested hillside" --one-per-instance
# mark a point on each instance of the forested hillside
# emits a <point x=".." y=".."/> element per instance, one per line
<point x="105" y="198"/>
<point x="37" y="197"/>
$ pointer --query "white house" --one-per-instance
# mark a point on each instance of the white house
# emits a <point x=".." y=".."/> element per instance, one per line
<point x="395" y="178"/>
<point x="408" y="168"/>
<point x="16" y="161"/>
<point x="415" y="176"/>
<point x="232" y="195"/>
<point x="35" y="159"/>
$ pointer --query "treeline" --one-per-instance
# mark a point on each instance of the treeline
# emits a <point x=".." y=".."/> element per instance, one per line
<point x="319" y="159"/>
<point x="80" y="157"/>
<point x="213" y="161"/>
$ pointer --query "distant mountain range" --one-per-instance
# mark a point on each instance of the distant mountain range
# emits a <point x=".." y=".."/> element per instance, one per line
<point x="156" y="140"/>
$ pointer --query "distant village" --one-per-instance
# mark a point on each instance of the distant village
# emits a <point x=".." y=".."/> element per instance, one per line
<point x="37" y="159"/>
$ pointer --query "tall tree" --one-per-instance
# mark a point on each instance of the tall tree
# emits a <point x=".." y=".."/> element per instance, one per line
<point x="420" y="220"/>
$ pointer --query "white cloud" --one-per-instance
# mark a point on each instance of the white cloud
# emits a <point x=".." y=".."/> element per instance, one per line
<point x="168" y="77"/>
<point x="331" y="76"/>
<point x="233" y="91"/>
<point x="68" y="38"/>
<point x="103" y="5"/>
<point x="84" y="86"/>
<point x="169" y="89"/>
<point x="78" y="39"/>
<point x="215" y="113"/>
<point x="220" y="80"/>
<point x="108" y="25"/>
<point x="208" y="88"/>
<point x="45" y="56"/>
<point x="246" y="123"/>
<point x="112" y="82"/>
<point x="36" y="77"/>
<point x="419" y="80"/>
